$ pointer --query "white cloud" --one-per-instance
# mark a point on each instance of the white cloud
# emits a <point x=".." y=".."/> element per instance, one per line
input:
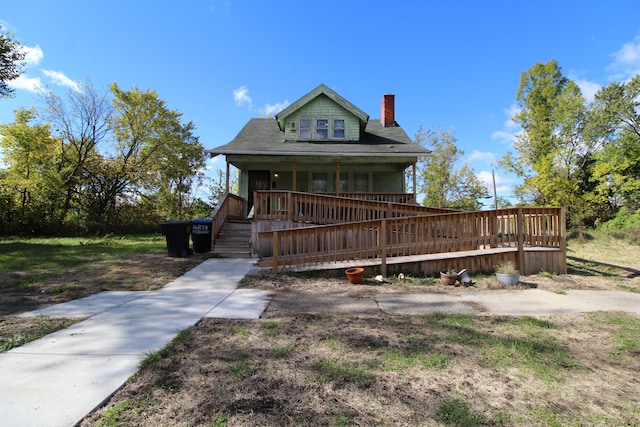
<point x="241" y="97"/>
<point x="504" y="186"/>
<point x="273" y="109"/>
<point x="60" y="79"/>
<point x="507" y="134"/>
<point x="626" y="61"/>
<point x="503" y="136"/>
<point x="588" y="88"/>
<point x="481" y="157"/>
<point x="31" y="84"/>
<point x="511" y="112"/>
<point x="32" y="55"/>
<point x="215" y="163"/>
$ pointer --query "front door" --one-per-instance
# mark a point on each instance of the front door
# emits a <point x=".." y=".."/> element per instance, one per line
<point x="258" y="180"/>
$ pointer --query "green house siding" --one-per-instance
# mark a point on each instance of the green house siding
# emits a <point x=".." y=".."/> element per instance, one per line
<point x="321" y="108"/>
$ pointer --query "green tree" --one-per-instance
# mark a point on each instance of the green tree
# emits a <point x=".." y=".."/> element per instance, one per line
<point x="217" y="186"/>
<point x="443" y="181"/>
<point x="31" y="183"/>
<point x="614" y="121"/>
<point x="158" y="155"/>
<point x="551" y="153"/>
<point x="11" y="66"/>
<point x="81" y="123"/>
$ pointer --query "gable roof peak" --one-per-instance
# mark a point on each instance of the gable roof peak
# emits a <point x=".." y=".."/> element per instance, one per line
<point x="321" y="89"/>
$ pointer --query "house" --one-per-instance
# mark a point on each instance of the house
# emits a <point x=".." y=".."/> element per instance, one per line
<point x="324" y="187"/>
<point x="322" y="143"/>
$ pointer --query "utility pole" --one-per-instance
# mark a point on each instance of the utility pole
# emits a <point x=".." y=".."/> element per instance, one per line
<point x="495" y="194"/>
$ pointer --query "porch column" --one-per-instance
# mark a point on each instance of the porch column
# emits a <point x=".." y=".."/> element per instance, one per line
<point x="227" y="178"/>
<point x="415" y="183"/>
<point x="337" y="183"/>
<point x="295" y="167"/>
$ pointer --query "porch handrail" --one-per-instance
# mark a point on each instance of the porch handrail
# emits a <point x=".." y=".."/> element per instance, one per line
<point x="229" y="206"/>
<point x="317" y="208"/>
<point x="406" y="198"/>
<point x="417" y="235"/>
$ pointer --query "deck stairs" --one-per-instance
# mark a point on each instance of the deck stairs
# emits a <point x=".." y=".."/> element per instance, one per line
<point x="233" y="240"/>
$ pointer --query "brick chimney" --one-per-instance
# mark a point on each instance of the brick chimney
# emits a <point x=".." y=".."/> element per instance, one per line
<point x="388" y="110"/>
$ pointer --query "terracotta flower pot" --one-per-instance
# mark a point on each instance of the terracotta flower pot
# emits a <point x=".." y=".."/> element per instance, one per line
<point x="448" y="279"/>
<point x="355" y="275"/>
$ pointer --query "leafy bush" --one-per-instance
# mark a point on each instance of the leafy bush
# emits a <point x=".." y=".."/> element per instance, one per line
<point x="625" y="225"/>
<point x="623" y="220"/>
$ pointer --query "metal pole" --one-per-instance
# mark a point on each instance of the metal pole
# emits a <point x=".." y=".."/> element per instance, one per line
<point x="495" y="194"/>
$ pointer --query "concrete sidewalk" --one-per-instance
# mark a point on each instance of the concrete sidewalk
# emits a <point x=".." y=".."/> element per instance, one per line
<point x="58" y="379"/>
<point x="531" y="302"/>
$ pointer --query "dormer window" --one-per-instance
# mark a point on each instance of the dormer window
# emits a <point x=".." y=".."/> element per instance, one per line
<point x="305" y="128"/>
<point x="338" y="128"/>
<point x="322" y="128"/>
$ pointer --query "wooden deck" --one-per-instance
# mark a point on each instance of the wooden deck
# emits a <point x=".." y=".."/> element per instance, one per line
<point x="295" y="231"/>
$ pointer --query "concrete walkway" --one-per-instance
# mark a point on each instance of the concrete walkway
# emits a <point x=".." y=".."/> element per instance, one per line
<point x="531" y="302"/>
<point x="58" y="379"/>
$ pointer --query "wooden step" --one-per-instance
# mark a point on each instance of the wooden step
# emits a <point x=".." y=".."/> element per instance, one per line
<point x="234" y="240"/>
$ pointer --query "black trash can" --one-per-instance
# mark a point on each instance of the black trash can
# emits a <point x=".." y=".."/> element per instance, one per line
<point x="201" y="235"/>
<point x="177" y="234"/>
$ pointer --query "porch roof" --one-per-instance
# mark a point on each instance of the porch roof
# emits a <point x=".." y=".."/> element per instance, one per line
<point x="264" y="137"/>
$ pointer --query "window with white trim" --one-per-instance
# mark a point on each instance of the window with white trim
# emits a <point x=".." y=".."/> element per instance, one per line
<point x="305" y="128"/>
<point x="322" y="128"/>
<point x="338" y="128"/>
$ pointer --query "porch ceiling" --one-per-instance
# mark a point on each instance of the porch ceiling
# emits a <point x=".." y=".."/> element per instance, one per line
<point x="246" y="162"/>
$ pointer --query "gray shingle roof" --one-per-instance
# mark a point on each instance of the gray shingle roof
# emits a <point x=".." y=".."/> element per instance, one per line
<point x="263" y="136"/>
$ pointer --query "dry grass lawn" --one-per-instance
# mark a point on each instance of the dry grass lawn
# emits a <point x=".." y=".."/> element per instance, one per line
<point x="299" y="366"/>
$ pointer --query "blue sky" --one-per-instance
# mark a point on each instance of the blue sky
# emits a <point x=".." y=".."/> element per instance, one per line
<point x="454" y="64"/>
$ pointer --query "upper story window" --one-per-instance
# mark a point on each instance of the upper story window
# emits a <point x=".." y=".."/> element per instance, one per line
<point x="338" y="128"/>
<point x="322" y="128"/>
<point x="305" y="128"/>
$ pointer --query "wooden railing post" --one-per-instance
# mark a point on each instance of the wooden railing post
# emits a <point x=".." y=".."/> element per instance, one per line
<point x="290" y="206"/>
<point x="276" y="250"/>
<point x="562" y="230"/>
<point x="520" y="222"/>
<point x="383" y="247"/>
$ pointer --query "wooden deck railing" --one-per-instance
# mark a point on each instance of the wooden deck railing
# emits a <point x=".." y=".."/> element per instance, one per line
<point x="230" y="206"/>
<point x="415" y="235"/>
<point x="406" y="198"/>
<point x="317" y="208"/>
